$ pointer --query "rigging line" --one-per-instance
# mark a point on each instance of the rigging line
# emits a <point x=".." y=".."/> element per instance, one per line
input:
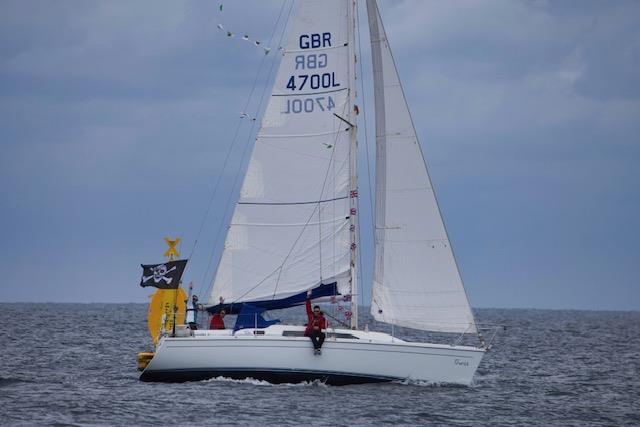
<point x="366" y="133"/>
<point x="309" y="93"/>
<point x="233" y="143"/>
<point x="359" y="255"/>
<point x="294" y="203"/>
<point x="353" y="168"/>
<point x="333" y="215"/>
<point x="289" y="224"/>
<point x="224" y="164"/>
<point x="244" y="153"/>
<point x="320" y="239"/>
<point x="246" y="106"/>
<point x="231" y="194"/>
<point x="324" y="183"/>
<point x="301" y="135"/>
<point x="317" y="205"/>
<point x="338" y="320"/>
<point x="318" y="49"/>
<point x="366" y="144"/>
<point x="258" y="284"/>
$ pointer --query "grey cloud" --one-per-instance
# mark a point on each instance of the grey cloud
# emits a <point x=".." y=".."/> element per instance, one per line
<point x="528" y="112"/>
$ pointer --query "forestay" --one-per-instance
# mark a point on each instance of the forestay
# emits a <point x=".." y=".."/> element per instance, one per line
<point x="290" y="227"/>
<point x="416" y="280"/>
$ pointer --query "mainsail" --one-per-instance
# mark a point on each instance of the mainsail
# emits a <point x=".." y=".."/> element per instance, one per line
<point x="416" y="280"/>
<point x="291" y="227"/>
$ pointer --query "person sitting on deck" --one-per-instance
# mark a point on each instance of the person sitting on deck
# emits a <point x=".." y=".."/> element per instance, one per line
<point x="315" y="324"/>
<point x="217" y="320"/>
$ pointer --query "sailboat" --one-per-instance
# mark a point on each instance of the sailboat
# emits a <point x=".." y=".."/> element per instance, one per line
<point x="294" y="231"/>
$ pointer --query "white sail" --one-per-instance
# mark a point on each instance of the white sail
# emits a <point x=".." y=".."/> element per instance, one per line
<point x="416" y="280"/>
<point x="290" y="230"/>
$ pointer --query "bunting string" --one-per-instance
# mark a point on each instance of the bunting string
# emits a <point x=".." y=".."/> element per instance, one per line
<point x="245" y="38"/>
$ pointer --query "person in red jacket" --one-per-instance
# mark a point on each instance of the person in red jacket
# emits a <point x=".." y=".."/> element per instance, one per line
<point x="217" y="320"/>
<point x="315" y="324"/>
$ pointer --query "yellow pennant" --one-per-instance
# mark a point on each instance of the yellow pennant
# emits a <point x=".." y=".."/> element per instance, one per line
<point x="172" y="252"/>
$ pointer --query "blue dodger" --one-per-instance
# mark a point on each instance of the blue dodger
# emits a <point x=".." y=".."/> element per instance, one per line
<point x="250" y="312"/>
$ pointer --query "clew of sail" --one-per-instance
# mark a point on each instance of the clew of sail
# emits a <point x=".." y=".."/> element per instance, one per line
<point x="290" y="228"/>
<point x="416" y="283"/>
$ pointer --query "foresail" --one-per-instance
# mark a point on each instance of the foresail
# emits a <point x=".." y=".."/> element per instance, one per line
<point x="290" y="228"/>
<point x="416" y="280"/>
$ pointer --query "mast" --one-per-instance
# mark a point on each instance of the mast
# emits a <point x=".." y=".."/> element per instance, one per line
<point x="353" y="168"/>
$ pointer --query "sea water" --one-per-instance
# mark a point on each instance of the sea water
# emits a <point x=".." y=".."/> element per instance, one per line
<point x="75" y="364"/>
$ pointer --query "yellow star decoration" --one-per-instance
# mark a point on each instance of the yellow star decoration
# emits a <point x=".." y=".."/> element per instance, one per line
<point x="172" y="252"/>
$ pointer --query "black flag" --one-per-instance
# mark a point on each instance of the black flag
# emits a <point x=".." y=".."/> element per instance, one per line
<point x="163" y="276"/>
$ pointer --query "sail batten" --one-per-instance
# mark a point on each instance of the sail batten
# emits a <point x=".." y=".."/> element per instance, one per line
<point x="310" y="93"/>
<point x="416" y="282"/>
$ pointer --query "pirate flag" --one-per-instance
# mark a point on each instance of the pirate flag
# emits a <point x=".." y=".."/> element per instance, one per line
<point x="163" y="276"/>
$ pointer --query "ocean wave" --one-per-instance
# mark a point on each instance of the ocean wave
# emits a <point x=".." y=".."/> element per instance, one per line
<point x="10" y="381"/>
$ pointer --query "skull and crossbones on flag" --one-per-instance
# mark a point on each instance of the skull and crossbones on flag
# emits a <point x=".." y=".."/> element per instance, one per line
<point x="163" y="276"/>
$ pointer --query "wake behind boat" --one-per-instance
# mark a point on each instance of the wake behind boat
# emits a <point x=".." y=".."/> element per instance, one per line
<point x="294" y="231"/>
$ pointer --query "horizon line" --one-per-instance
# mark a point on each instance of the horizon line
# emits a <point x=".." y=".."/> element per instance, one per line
<point x="363" y="305"/>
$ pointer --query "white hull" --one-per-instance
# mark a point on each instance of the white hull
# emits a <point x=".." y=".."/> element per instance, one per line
<point x="274" y="357"/>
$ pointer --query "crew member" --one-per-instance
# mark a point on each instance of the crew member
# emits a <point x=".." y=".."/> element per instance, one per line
<point x="315" y="325"/>
<point x="217" y="320"/>
<point x="192" y="309"/>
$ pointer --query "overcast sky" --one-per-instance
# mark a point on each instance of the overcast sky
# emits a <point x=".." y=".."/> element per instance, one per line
<point x="115" y="118"/>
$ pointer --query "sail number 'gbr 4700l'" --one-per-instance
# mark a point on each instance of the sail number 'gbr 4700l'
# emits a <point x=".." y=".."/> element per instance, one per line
<point x="312" y="81"/>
